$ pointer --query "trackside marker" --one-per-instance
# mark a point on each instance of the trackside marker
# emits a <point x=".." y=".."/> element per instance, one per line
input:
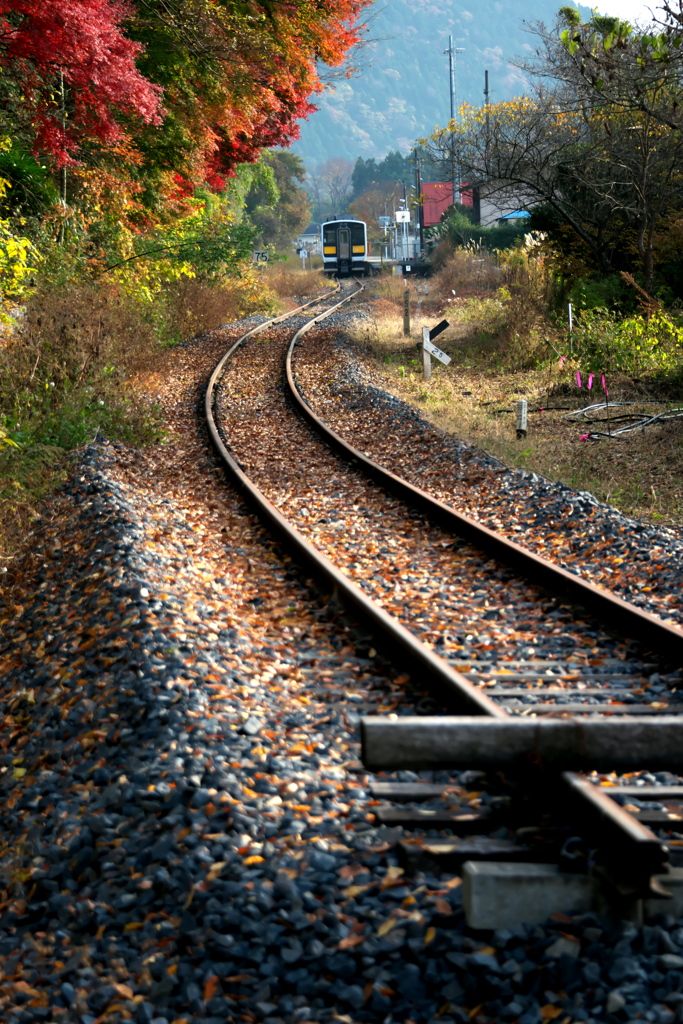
<point x="429" y="349"/>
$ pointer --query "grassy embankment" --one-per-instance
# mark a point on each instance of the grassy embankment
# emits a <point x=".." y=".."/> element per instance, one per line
<point x="69" y="361"/>
<point x="504" y="346"/>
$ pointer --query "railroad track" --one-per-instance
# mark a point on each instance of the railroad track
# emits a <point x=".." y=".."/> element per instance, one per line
<point x="531" y="701"/>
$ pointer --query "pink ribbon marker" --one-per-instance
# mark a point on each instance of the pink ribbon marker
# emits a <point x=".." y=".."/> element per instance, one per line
<point x="562" y="359"/>
<point x="578" y="377"/>
<point x="604" y="386"/>
<point x="590" y="381"/>
<point x="584" y="437"/>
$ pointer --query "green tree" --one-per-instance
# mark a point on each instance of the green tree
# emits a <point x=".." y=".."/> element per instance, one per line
<point x="368" y="174"/>
<point x="279" y="220"/>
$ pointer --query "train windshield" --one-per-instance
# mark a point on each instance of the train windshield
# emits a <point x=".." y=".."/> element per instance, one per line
<point x="330" y="234"/>
<point x="357" y="236"/>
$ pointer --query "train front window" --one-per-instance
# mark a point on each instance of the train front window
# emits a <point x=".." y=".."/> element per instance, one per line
<point x="358" y="238"/>
<point x="344" y="246"/>
<point x="330" y="239"/>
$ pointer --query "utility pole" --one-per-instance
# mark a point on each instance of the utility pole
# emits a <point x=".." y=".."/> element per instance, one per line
<point x="418" y="193"/>
<point x="487" y="97"/>
<point x="453" y="52"/>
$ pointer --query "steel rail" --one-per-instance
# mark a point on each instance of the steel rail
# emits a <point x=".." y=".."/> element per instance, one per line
<point x="399" y="741"/>
<point x="662" y="637"/>
<point x="425" y="665"/>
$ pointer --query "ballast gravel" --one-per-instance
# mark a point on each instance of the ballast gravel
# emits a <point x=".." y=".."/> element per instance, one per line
<point x="186" y="831"/>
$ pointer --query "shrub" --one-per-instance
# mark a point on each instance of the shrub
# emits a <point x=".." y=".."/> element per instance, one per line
<point x="604" y="342"/>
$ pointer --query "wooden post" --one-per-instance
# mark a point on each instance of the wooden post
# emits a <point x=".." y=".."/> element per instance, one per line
<point x="521" y="418"/>
<point x="426" y="358"/>
<point x="406" y="312"/>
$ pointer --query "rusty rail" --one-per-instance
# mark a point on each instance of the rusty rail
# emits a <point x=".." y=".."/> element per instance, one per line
<point x="399" y="643"/>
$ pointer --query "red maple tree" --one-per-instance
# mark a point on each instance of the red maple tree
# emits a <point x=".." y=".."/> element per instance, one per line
<point x="75" y="69"/>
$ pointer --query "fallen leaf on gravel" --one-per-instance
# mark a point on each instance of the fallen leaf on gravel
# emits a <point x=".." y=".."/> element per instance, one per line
<point x="549" y="1012"/>
<point x="215" y="870"/>
<point x="392" y="877"/>
<point x="23" y="986"/>
<point x="356" y="890"/>
<point x="211" y="986"/>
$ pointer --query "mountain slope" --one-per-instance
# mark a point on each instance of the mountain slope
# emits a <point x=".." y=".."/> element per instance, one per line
<point x="404" y="92"/>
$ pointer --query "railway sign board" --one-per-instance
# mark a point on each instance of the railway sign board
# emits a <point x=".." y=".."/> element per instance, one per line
<point x="402" y="216"/>
<point x="429" y="349"/>
<point x="436" y="352"/>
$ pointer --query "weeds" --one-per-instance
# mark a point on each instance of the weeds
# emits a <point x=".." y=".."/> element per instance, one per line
<point x="504" y="345"/>
<point x="190" y="306"/>
<point x="605" y="342"/>
<point x="287" y="281"/>
<point x="70" y="357"/>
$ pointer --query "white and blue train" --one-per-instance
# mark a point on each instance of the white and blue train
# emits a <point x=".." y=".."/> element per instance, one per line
<point x="344" y="245"/>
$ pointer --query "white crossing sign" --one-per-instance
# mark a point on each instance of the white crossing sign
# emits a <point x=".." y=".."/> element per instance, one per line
<point x="429" y="348"/>
<point x="436" y="352"/>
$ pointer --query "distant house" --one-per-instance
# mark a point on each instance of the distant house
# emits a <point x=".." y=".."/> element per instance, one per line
<point x="309" y="239"/>
<point x="502" y="206"/>
<point x="437" y="197"/>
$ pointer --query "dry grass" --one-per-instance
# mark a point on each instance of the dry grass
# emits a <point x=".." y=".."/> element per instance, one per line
<point x="474" y="398"/>
<point x="194" y="307"/>
<point x="290" y="282"/>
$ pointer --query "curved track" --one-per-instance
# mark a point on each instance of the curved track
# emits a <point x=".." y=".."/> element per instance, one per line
<point x="454" y="685"/>
<point x="590" y="719"/>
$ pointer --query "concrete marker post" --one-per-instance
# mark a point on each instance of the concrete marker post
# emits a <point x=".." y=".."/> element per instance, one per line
<point x="522" y="409"/>
<point x="426" y="358"/>
<point x="406" y="313"/>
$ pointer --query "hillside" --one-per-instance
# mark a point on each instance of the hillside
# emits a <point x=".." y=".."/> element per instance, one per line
<point x="403" y="92"/>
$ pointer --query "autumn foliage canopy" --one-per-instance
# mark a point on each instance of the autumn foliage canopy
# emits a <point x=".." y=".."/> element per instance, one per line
<point x="190" y="87"/>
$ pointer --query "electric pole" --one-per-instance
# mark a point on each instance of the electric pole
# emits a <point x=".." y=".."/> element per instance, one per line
<point x="453" y="52"/>
<point x="418" y="193"/>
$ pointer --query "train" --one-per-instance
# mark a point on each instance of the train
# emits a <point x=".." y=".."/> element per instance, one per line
<point x="344" y="244"/>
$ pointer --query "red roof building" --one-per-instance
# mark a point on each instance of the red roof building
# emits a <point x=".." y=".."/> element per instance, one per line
<point x="437" y="197"/>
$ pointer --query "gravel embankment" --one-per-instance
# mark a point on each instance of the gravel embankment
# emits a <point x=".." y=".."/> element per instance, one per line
<point x="186" y="831"/>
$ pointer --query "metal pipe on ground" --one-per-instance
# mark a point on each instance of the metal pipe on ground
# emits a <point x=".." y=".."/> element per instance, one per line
<point x="567" y="744"/>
